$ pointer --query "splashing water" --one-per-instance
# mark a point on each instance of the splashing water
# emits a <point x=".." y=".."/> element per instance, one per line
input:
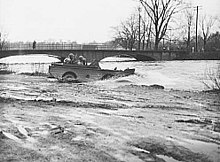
<point x="182" y="75"/>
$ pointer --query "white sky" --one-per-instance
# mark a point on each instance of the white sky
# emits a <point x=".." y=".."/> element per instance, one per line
<point x="76" y="20"/>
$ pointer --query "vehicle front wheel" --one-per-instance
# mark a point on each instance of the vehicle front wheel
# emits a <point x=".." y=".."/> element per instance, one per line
<point x="69" y="77"/>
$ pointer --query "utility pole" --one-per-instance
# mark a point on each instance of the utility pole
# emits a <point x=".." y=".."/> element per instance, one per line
<point x="197" y="14"/>
<point x="170" y="40"/>
<point x="139" y="28"/>
<point x="0" y="41"/>
<point x="197" y="17"/>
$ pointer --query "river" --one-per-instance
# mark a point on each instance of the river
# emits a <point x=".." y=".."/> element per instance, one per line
<point x="179" y="75"/>
<point x="118" y="118"/>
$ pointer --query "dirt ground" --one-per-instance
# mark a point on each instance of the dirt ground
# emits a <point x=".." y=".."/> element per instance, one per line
<point x="42" y="120"/>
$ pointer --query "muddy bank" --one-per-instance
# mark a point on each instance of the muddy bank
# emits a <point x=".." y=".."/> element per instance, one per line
<point x="42" y="120"/>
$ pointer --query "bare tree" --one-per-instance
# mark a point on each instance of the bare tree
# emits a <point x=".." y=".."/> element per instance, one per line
<point x="207" y="23"/>
<point x="2" y="41"/>
<point x="143" y="35"/>
<point x="134" y="33"/>
<point x="189" y="16"/>
<point x="145" y="32"/>
<point x="127" y="33"/>
<point x="218" y="18"/>
<point x="160" y="13"/>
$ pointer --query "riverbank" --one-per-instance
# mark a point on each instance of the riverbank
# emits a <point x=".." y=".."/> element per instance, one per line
<point x="86" y="122"/>
<point x="210" y="55"/>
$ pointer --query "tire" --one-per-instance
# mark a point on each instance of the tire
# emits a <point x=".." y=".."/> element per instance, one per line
<point x="69" y="76"/>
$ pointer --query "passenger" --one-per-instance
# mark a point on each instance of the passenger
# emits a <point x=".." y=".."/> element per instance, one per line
<point x="82" y="61"/>
<point x="71" y="59"/>
<point x="67" y="60"/>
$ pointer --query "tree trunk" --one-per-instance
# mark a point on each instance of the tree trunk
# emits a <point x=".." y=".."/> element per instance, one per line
<point x="188" y="39"/>
<point x="204" y="43"/>
<point x="143" y="44"/>
<point x="149" y="36"/>
<point x="157" y="41"/>
<point x="156" y="46"/>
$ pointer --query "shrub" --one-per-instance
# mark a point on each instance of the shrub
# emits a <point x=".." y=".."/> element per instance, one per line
<point x="213" y="79"/>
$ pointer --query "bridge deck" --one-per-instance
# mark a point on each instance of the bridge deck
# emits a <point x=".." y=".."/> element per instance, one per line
<point x="150" y="55"/>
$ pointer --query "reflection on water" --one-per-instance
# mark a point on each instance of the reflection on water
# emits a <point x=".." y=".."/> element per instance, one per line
<point x="27" y="67"/>
<point x="183" y="75"/>
<point x="28" y="59"/>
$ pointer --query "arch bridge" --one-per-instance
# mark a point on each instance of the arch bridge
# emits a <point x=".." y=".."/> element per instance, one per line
<point x="91" y="55"/>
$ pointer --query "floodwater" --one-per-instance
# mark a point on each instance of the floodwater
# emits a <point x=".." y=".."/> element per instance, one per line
<point x="121" y="117"/>
<point x="179" y="75"/>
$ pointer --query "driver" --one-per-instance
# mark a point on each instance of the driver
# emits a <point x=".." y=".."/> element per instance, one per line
<point x="71" y="59"/>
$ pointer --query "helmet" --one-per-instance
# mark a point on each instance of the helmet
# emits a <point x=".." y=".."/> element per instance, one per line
<point x="71" y="55"/>
<point x="67" y="60"/>
<point x="81" y="57"/>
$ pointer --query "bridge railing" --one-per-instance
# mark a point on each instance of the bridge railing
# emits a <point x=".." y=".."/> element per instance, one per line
<point x="56" y="46"/>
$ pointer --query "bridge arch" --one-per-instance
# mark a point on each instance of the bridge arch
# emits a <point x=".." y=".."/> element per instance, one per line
<point x="133" y="54"/>
<point x="137" y="58"/>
